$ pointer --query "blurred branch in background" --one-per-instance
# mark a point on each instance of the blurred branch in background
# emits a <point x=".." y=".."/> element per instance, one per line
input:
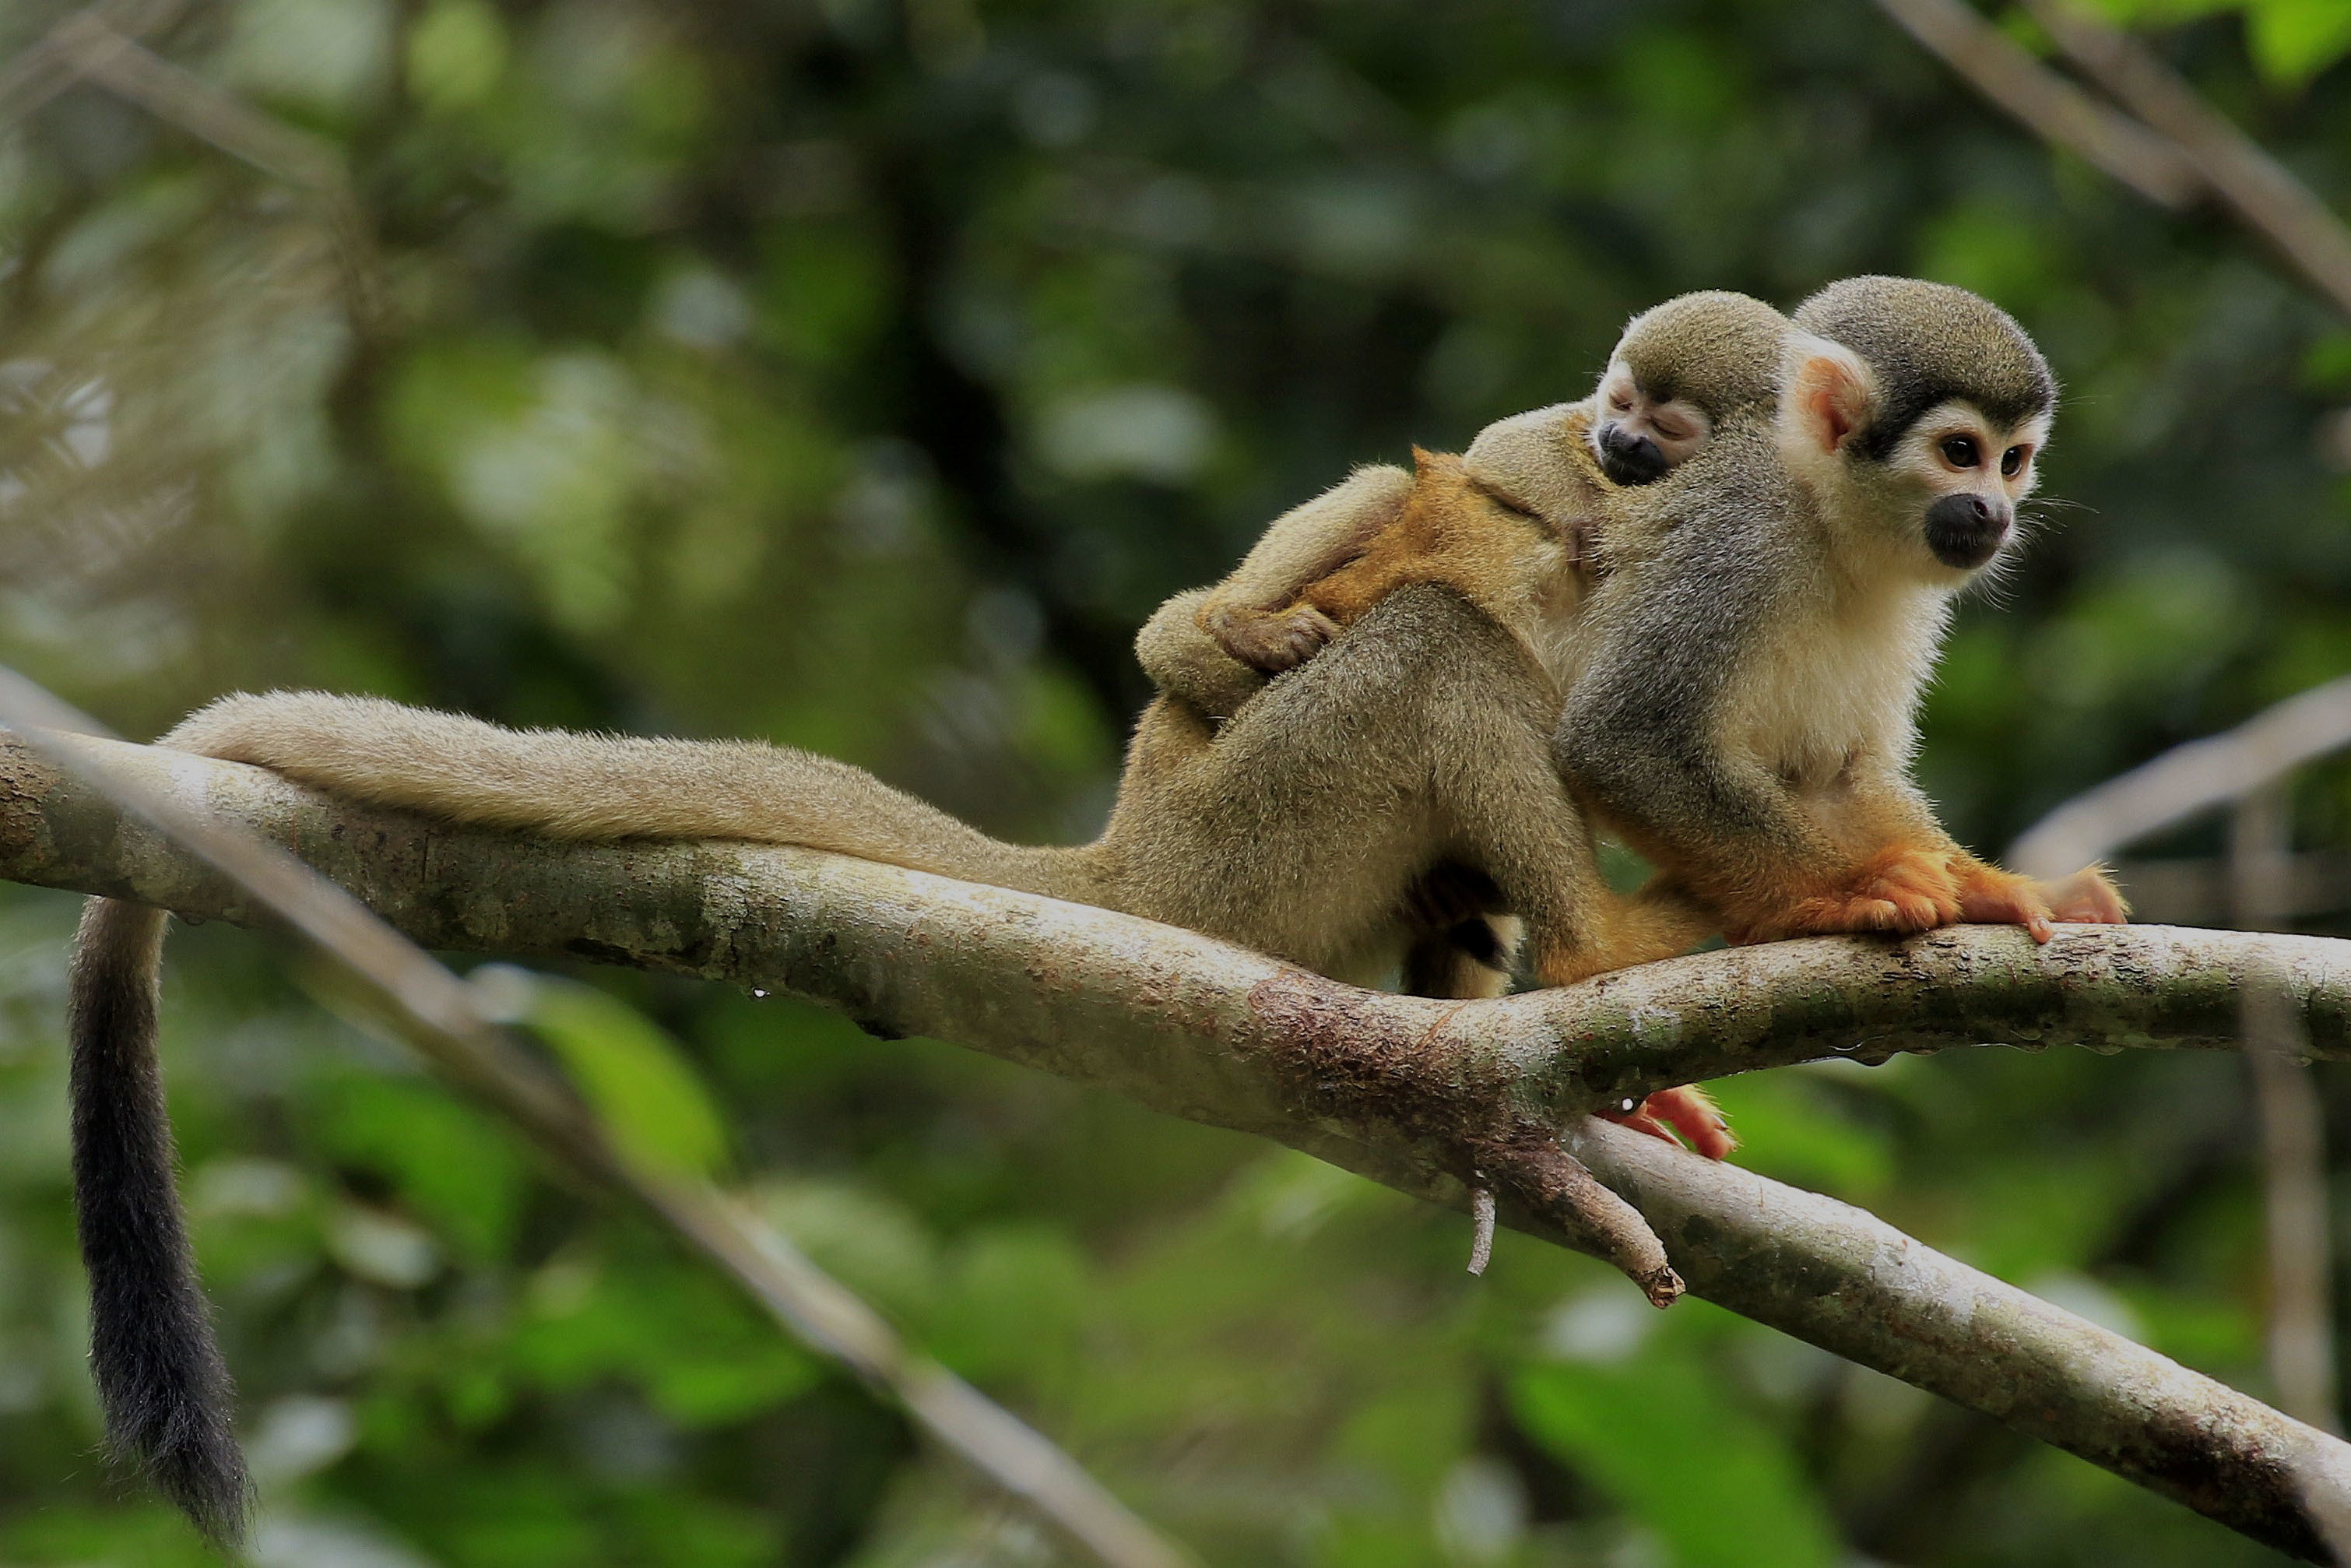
<point x="2293" y="1123"/>
<point x="2243" y="176"/>
<point x="100" y="44"/>
<point x="2246" y="770"/>
<point x="445" y="1019"/>
<point x="2194" y="889"/>
<point x="2177" y="148"/>
<point x="2059" y="112"/>
<point x="35" y="75"/>
<point x="2200" y="776"/>
<point x="1204" y="1030"/>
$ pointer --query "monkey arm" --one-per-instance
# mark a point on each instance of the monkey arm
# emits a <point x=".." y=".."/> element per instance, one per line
<point x="1213" y="647"/>
<point x="1645" y="739"/>
<point x="1254" y="613"/>
<point x="1188" y="665"/>
<point x="1887" y="802"/>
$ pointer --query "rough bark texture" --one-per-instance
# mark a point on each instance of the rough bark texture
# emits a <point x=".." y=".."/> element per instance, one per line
<point x="1395" y="1088"/>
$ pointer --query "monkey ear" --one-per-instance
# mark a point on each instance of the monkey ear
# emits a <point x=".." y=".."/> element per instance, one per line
<point x="1827" y="395"/>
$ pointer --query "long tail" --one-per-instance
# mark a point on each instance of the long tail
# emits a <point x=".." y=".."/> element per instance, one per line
<point x="604" y="787"/>
<point x="160" y="1380"/>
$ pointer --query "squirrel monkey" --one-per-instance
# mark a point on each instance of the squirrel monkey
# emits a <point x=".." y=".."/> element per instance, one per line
<point x="1767" y="601"/>
<point x="1748" y="671"/>
<point x="1311" y="826"/>
<point x="1677" y="369"/>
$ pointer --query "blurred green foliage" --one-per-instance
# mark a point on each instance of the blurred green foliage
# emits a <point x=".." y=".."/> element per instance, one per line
<point x="859" y="374"/>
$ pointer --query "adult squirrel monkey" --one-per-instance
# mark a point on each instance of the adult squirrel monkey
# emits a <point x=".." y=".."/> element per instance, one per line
<point x="1747" y="674"/>
<point x="1312" y="826"/>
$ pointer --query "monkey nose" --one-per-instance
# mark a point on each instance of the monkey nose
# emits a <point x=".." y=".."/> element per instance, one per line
<point x="1967" y="530"/>
<point x="1629" y="459"/>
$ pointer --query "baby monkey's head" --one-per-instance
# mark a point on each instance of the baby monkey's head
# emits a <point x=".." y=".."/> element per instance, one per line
<point x="1680" y="370"/>
<point x="1923" y="403"/>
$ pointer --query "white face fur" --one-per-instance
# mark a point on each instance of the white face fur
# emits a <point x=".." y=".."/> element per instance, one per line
<point x="1951" y="483"/>
<point x="1638" y="437"/>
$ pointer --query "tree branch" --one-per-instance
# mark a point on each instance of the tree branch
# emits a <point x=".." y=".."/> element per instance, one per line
<point x="444" y="1018"/>
<point x="1211" y="1032"/>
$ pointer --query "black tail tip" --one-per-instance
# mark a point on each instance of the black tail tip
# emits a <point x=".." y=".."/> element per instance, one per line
<point x="199" y="1466"/>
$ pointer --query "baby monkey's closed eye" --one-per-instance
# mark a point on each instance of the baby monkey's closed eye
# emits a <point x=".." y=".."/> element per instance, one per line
<point x="1640" y="437"/>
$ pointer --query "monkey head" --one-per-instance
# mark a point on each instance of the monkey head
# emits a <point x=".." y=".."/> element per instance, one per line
<point x="1678" y="368"/>
<point x="1920" y="406"/>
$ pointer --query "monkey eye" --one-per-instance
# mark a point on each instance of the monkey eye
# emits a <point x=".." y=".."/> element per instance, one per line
<point x="2011" y="462"/>
<point x="1961" y="451"/>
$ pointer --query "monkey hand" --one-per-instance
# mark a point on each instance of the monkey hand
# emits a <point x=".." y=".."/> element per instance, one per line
<point x="1901" y="889"/>
<point x="1688" y="1111"/>
<point x="2088" y="897"/>
<point x="1990" y="897"/>
<point x="1269" y="640"/>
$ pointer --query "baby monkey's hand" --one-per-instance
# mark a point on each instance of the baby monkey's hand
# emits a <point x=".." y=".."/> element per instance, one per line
<point x="1269" y="640"/>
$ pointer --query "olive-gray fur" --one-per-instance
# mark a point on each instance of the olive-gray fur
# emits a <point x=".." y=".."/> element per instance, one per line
<point x="1714" y="348"/>
<point x="1929" y="343"/>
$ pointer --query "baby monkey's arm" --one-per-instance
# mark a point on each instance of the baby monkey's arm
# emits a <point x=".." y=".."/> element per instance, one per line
<point x="1213" y="647"/>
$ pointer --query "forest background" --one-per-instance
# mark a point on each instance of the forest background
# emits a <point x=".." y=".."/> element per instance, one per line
<point x="860" y="376"/>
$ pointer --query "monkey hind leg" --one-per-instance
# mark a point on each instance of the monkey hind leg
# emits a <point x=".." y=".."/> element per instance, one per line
<point x="160" y="1380"/>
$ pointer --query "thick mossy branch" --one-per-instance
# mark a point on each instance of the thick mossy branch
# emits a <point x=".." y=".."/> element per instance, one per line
<point x="1408" y="1091"/>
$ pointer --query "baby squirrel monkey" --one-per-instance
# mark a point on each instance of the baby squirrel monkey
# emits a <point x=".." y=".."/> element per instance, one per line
<point x="1677" y="369"/>
<point x="1311" y="826"/>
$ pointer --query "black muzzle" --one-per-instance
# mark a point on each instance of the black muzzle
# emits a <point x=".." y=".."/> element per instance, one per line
<point x="1629" y="459"/>
<point x="1965" y="531"/>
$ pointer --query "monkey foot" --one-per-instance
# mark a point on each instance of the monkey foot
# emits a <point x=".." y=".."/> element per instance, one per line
<point x="1271" y="639"/>
<point x="1688" y="1111"/>
<point x="1899" y="890"/>
<point x="1990" y="896"/>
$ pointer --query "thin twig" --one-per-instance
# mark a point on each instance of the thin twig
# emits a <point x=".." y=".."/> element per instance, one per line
<point x="441" y="1016"/>
<point x="2004" y="72"/>
<point x="1481" y="1227"/>
<point x="2254" y="185"/>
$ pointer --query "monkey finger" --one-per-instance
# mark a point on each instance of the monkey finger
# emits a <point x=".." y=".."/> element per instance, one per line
<point x="1304" y="633"/>
<point x="1990" y="896"/>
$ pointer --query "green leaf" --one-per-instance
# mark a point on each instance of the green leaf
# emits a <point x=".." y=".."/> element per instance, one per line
<point x="631" y="1072"/>
<point x="2292" y="40"/>
<point x="1722" y="1489"/>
